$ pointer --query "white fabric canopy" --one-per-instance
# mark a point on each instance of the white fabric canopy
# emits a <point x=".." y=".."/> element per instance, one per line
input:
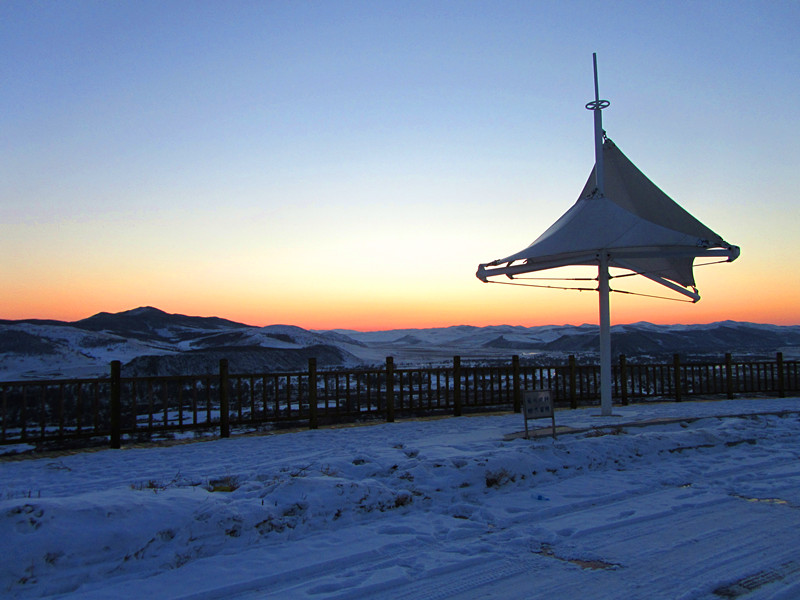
<point x="635" y="224"/>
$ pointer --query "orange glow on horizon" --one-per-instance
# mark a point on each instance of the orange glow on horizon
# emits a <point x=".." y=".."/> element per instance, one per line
<point x="382" y="302"/>
<point x="491" y="307"/>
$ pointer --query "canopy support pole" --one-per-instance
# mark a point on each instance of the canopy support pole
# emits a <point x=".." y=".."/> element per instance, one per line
<point x="597" y="106"/>
<point x="605" y="336"/>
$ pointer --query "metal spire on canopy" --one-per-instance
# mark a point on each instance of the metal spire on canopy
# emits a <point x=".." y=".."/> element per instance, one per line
<point x="597" y="106"/>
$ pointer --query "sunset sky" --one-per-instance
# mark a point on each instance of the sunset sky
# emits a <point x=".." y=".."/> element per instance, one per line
<point x="348" y="164"/>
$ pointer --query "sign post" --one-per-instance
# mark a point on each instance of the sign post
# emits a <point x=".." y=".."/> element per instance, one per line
<point x="538" y="404"/>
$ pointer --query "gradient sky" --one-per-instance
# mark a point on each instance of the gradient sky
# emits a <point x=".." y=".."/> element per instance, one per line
<point x="349" y="164"/>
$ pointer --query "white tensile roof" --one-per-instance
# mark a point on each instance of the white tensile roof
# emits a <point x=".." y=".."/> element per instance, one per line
<point x="634" y="223"/>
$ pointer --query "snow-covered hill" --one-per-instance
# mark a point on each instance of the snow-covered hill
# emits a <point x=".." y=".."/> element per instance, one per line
<point x="633" y="340"/>
<point x="149" y="341"/>
<point x="32" y="350"/>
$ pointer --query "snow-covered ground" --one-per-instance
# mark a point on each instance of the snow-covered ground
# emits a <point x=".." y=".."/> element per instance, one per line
<point x="702" y="507"/>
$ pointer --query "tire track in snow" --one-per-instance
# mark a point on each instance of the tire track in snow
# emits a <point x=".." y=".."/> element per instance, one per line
<point x="281" y="584"/>
<point x="462" y="576"/>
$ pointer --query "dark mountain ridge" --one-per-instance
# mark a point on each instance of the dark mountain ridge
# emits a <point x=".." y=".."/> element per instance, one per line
<point x="147" y="323"/>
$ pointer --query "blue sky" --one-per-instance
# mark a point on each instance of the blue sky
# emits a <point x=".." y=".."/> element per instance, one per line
<point x="348" y="164"/>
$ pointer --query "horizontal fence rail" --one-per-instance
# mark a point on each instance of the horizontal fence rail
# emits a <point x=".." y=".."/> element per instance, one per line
<point x="78" y="412"/>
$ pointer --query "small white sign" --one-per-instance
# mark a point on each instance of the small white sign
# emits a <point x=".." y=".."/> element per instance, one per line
<point x="538" y="404"/>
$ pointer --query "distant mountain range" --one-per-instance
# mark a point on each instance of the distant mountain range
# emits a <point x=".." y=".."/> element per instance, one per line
<point x="149" y="341"/>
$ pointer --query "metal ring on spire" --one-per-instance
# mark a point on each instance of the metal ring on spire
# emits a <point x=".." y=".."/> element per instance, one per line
<point x="597" y="104"/>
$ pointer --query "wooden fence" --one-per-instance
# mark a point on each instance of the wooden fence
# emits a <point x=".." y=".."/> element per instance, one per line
<point x="88" y="411"/>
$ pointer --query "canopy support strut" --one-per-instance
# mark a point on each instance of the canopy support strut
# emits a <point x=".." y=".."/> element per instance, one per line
<point x="605" y="336"/>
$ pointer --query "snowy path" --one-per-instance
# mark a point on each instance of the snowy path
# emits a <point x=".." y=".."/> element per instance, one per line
<point x="443" y="509"/>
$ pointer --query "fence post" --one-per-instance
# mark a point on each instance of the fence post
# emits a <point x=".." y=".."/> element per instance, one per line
<point x="224" y="414"/>
<point x="116" y="405"/>
<point x="781" y="383"/>
<point x="676" y="366"/>
<point x="389" y="389"/>
<point x="312" y="394"/>
<point x="517" y="387"/>
<point x="573" y="396"/>
<point x="456" y="386"/>
<point x="623" y="379"/>
<point x="728" y="375"/>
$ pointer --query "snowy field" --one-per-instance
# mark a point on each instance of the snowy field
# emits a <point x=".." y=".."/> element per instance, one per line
<point x="705" y="506"/>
